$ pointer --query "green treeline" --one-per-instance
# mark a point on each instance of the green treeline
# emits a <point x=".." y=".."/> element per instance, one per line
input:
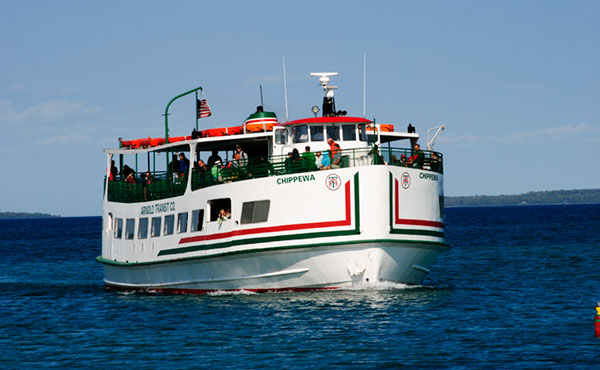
<point x="583" y="196"/>
<point x="9" y="215"/>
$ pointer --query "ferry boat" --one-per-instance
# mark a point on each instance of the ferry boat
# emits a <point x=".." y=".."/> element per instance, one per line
<point x="277" y="216"/>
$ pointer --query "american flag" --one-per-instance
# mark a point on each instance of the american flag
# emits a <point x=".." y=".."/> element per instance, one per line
<point x="202" y="108"/>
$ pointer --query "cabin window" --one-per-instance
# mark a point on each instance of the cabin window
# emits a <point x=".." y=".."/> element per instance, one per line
<point x="362" y="132"/>
<point x="216" y="205"/>
<point x="253" y="212"/>
<point x="316" y="133"/>
<point x="281" y="136"/>
<point x="333" y="132"/>
<point x="118" y="228"/>
<point x="442" y="210"/>
<point x="349" y="132"/>
<point x="300" y="133"/>
<point x="143" y="228"/>
<point x="155" y="230"/>
<point x="129" y="228"/>
<point x="182" y="222"/>
<point x="110" y="222"/>
<point x="197" y="219"/>
<point x="169" y="224"/>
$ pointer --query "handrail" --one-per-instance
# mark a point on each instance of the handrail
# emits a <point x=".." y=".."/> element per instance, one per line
<point x="167" y="184"/>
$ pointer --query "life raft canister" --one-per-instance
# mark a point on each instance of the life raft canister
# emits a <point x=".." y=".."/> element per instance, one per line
<point x="261" y="121"/>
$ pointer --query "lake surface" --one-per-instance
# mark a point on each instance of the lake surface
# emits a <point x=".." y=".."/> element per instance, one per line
<point x="517" y="291"/>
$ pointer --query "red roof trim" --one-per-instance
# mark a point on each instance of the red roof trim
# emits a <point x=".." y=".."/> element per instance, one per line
<point x="327" y="120"/>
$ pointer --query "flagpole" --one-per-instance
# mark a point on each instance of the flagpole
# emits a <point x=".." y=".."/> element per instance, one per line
<point x="167" y="111"/>
<point x="196" y="103"/>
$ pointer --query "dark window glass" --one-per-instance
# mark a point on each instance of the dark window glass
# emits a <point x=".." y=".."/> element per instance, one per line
<point x="349" y="132"/>
<point x="118" y="228"/>
<point x="253" y="212"/>
<point x="155" y="230"/>
<point x="316" y="133"/>
<point x="333" y="132"/>
<point x="182" y="222"/>
<point x="143" y="228"/>
<point x="197" y="219"/>
<point x="169" y="224"/>
<point x="130" y="228"/>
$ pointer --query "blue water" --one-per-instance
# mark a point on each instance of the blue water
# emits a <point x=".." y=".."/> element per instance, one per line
<point x="517" y="291"/>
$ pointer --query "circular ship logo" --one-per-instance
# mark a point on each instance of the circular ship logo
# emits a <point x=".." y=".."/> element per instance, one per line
<point x="333" y="182"/>
<point x="405" y="180"/>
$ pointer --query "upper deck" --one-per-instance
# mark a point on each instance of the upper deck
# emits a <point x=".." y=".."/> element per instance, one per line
<point x="279" y="152"/>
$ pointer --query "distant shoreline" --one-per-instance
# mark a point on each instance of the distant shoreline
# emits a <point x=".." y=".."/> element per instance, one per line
<point x="19" y="215"/>
<point x="534" y="198"/>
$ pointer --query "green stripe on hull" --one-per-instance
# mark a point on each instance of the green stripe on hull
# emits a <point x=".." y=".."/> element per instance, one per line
<point x="418" y="244"/>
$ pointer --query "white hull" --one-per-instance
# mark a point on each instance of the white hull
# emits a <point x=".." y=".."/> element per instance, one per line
<point x="370" y="229"/>
<point x="336" y="266"/>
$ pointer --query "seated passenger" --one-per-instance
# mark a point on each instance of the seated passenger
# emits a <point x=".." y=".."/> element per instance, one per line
<point x="326" y="161"/>
<point x="318" y="160"/>
<point x="402" y="160"/>
<point x="336" y="159"/>
<point x="309" y="159"/>
<point x="214" y="158"/>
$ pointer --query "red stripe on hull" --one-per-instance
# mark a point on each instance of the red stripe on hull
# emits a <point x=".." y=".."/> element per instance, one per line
<point x="271" y="229"/>
<point x="407" y="221"/>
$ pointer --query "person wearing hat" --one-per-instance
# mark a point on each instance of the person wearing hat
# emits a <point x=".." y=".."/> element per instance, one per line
<point x="216" y="171"/>
<point x="213" y="158"/>
<point x="403" y="160"/>
<point x="243" y="156"/>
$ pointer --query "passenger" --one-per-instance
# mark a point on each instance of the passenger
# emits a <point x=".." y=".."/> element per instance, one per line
<point x="375" y="156"/>
<point x="243" y="156"/>
<point x="296" y="161"/>
<point x="402" y="160"/>
<point x="184" y="164"/>
<point x="416" y="159"/>
<point x="126" y="172"/>
<point x="326" y="161"/>
<point x="309" y="159"/>
<point x="394" y="160"/>
<point x="217" y="172"/>
<point x="145" y="184"/>
<point x="288" y="163"/>
<point x="199" y="174"/>
<point x="336" y="159"/>
<point x="130" y="178"/>
<point x="318" y="160"/>
<point x="114" y="172"/>
<point x="174" y="166"/>
<point x="332" y="145"/>
<point x="213" y="158"/>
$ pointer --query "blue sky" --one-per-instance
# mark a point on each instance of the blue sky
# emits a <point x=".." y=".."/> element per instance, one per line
<point x="516" y="83"/>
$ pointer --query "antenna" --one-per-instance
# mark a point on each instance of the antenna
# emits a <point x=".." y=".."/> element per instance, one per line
<point x="285" y="90"/>
<point x="364" y="84"/>
<point x="261" y="97"/>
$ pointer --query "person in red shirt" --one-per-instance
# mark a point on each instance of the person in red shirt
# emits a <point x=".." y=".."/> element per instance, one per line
<point x="332" y="149"/>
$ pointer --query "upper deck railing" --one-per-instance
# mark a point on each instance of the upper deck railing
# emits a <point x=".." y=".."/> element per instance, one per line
<point x="162" y="185"/>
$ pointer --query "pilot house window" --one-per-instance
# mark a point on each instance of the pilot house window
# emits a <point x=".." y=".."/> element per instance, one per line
<point x="300" y="134"/>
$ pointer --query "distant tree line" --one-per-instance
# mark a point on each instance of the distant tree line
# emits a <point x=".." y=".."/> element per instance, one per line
<point x="8" y="215"/>
<point x="583" y="196"/>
